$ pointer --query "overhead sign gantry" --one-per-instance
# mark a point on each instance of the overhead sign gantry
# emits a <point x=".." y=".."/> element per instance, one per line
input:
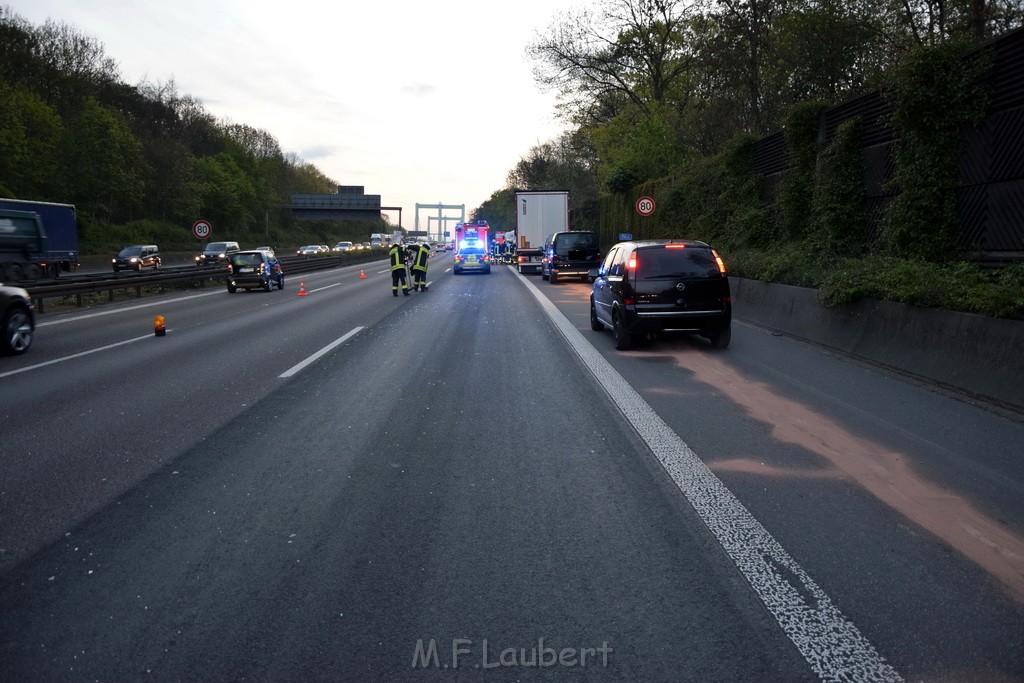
<point x="441" y="219"/>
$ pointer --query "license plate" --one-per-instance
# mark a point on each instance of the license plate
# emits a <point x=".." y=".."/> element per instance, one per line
<point x="471" y="259"/>
<point x="246" y="270"/>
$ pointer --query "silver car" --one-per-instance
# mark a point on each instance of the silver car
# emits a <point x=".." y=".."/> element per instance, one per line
<point x="17" y="321"/>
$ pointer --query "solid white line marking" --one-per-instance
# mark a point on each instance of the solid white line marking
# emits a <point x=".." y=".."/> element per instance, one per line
<point x="296" y="368"/>
<point x="831" y="644"/>
<point x="72" y="356"/>
<point x="320" y="289"/>
<point x="164" y="302"/>
<point x="383" y="271"/>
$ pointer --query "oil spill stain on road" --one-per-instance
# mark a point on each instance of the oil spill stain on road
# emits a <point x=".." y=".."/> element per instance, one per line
<point x="883" y="472"/>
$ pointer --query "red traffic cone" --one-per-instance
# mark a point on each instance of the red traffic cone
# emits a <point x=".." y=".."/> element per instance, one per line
<point x="302" y="288"/>
<point x="362" y="275"/>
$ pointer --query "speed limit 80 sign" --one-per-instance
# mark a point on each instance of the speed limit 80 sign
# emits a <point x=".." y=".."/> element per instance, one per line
<point x="645" y="206"/>
<point x="201" y="229"/>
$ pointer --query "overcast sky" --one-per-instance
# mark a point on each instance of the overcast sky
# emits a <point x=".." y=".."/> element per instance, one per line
<point x="419" y="102"/>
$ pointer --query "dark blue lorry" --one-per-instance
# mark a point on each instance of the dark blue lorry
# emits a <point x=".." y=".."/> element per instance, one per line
<point x="37" y="239"/>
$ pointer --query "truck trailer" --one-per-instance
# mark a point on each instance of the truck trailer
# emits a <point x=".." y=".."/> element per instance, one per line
<point x="37" y="239"/>
<point x="538" y="214"/>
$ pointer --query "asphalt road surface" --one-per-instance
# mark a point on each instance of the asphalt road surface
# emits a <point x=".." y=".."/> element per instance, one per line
<point x="470" y="483"/>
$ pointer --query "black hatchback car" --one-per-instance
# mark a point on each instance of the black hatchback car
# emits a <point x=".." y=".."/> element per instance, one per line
<point x="254" y="268"/>
<point x="661" y="286"/>
<point x="570" y="254"/>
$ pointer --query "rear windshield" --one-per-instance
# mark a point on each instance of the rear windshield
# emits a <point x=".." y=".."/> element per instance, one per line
<point x="472" y="250"/>
<point x="689" y="262"/>
<point x="579" y="240"/>
<point x="247" y="259"/>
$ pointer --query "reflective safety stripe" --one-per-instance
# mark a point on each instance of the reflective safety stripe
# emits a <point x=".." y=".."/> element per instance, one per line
<point x="396" y="260"/>
<point x="421" y="259"/>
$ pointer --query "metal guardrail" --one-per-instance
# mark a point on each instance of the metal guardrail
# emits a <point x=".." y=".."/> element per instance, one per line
<point x="110" y="284"/>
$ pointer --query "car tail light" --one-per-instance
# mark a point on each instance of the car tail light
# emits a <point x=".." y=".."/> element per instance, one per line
<point x="629" y="302"/>
<point x="719" y="261"/>
<point x="521" y="259"/>
<point x="675" y="246"/>
<point x="632" y="263"/>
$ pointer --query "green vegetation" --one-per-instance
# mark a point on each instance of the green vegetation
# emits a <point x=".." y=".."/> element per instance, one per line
<point x="667" y="99"/>
<point x="140" y="162"/>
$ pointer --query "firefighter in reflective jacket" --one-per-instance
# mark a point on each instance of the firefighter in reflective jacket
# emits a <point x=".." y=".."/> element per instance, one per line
<point x="397" y="256"/>
<point x="419" y="267"/>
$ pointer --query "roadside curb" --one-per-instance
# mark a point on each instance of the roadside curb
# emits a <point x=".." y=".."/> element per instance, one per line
<point x="966" y="352"/>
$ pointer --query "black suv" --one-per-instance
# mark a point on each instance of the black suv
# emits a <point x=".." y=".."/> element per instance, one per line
<point x="662" y="286"/>
<point x="137" y="257"/>
<point x="570" y="254"/>
<point x="216" y="252"/>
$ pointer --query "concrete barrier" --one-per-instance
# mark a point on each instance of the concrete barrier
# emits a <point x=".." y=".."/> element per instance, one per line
<point x="980" y="356"/>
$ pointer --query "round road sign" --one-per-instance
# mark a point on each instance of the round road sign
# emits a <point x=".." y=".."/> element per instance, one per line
<point x="645" y="206"/>
<point x="201" y="229"/>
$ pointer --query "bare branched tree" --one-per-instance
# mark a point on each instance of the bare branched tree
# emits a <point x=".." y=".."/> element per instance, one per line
<point x="625" y="51"/>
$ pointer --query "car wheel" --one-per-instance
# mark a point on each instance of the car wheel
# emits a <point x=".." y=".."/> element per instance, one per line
<point x="267" y="284"/>
<point x="138" y="268"/>
<point x="542" y="275"/>
<point x="595" y="323"/>
<point x="17" y="331"/>
<point x="158" y="264"/>
<point x="280" y="282"/>
<point x="116" y="269"/>
<point x="552" y="277"/>
<point x="721" y="339"/>
<point x="232" y="289"/>
<point x="623" y="339"/>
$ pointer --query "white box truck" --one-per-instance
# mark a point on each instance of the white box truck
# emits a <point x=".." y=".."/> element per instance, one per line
<point x="538" y="214"/>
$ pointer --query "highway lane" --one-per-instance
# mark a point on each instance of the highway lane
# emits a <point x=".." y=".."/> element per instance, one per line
<point x="578" y="538"/>
<point x="367" y="507"/>
<point x="905" y="503"/>
<point x="105" y="420"/>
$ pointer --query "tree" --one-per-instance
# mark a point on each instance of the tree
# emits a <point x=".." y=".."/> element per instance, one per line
<point x="627" y="51"/>
<point x="30" y="134"/>
<point x="499" y="210"/>
<point x="74" y="66"/>
<point x="103" y="165"/>
<point x="226" y="194"/>
<point x="637" y="146"/>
